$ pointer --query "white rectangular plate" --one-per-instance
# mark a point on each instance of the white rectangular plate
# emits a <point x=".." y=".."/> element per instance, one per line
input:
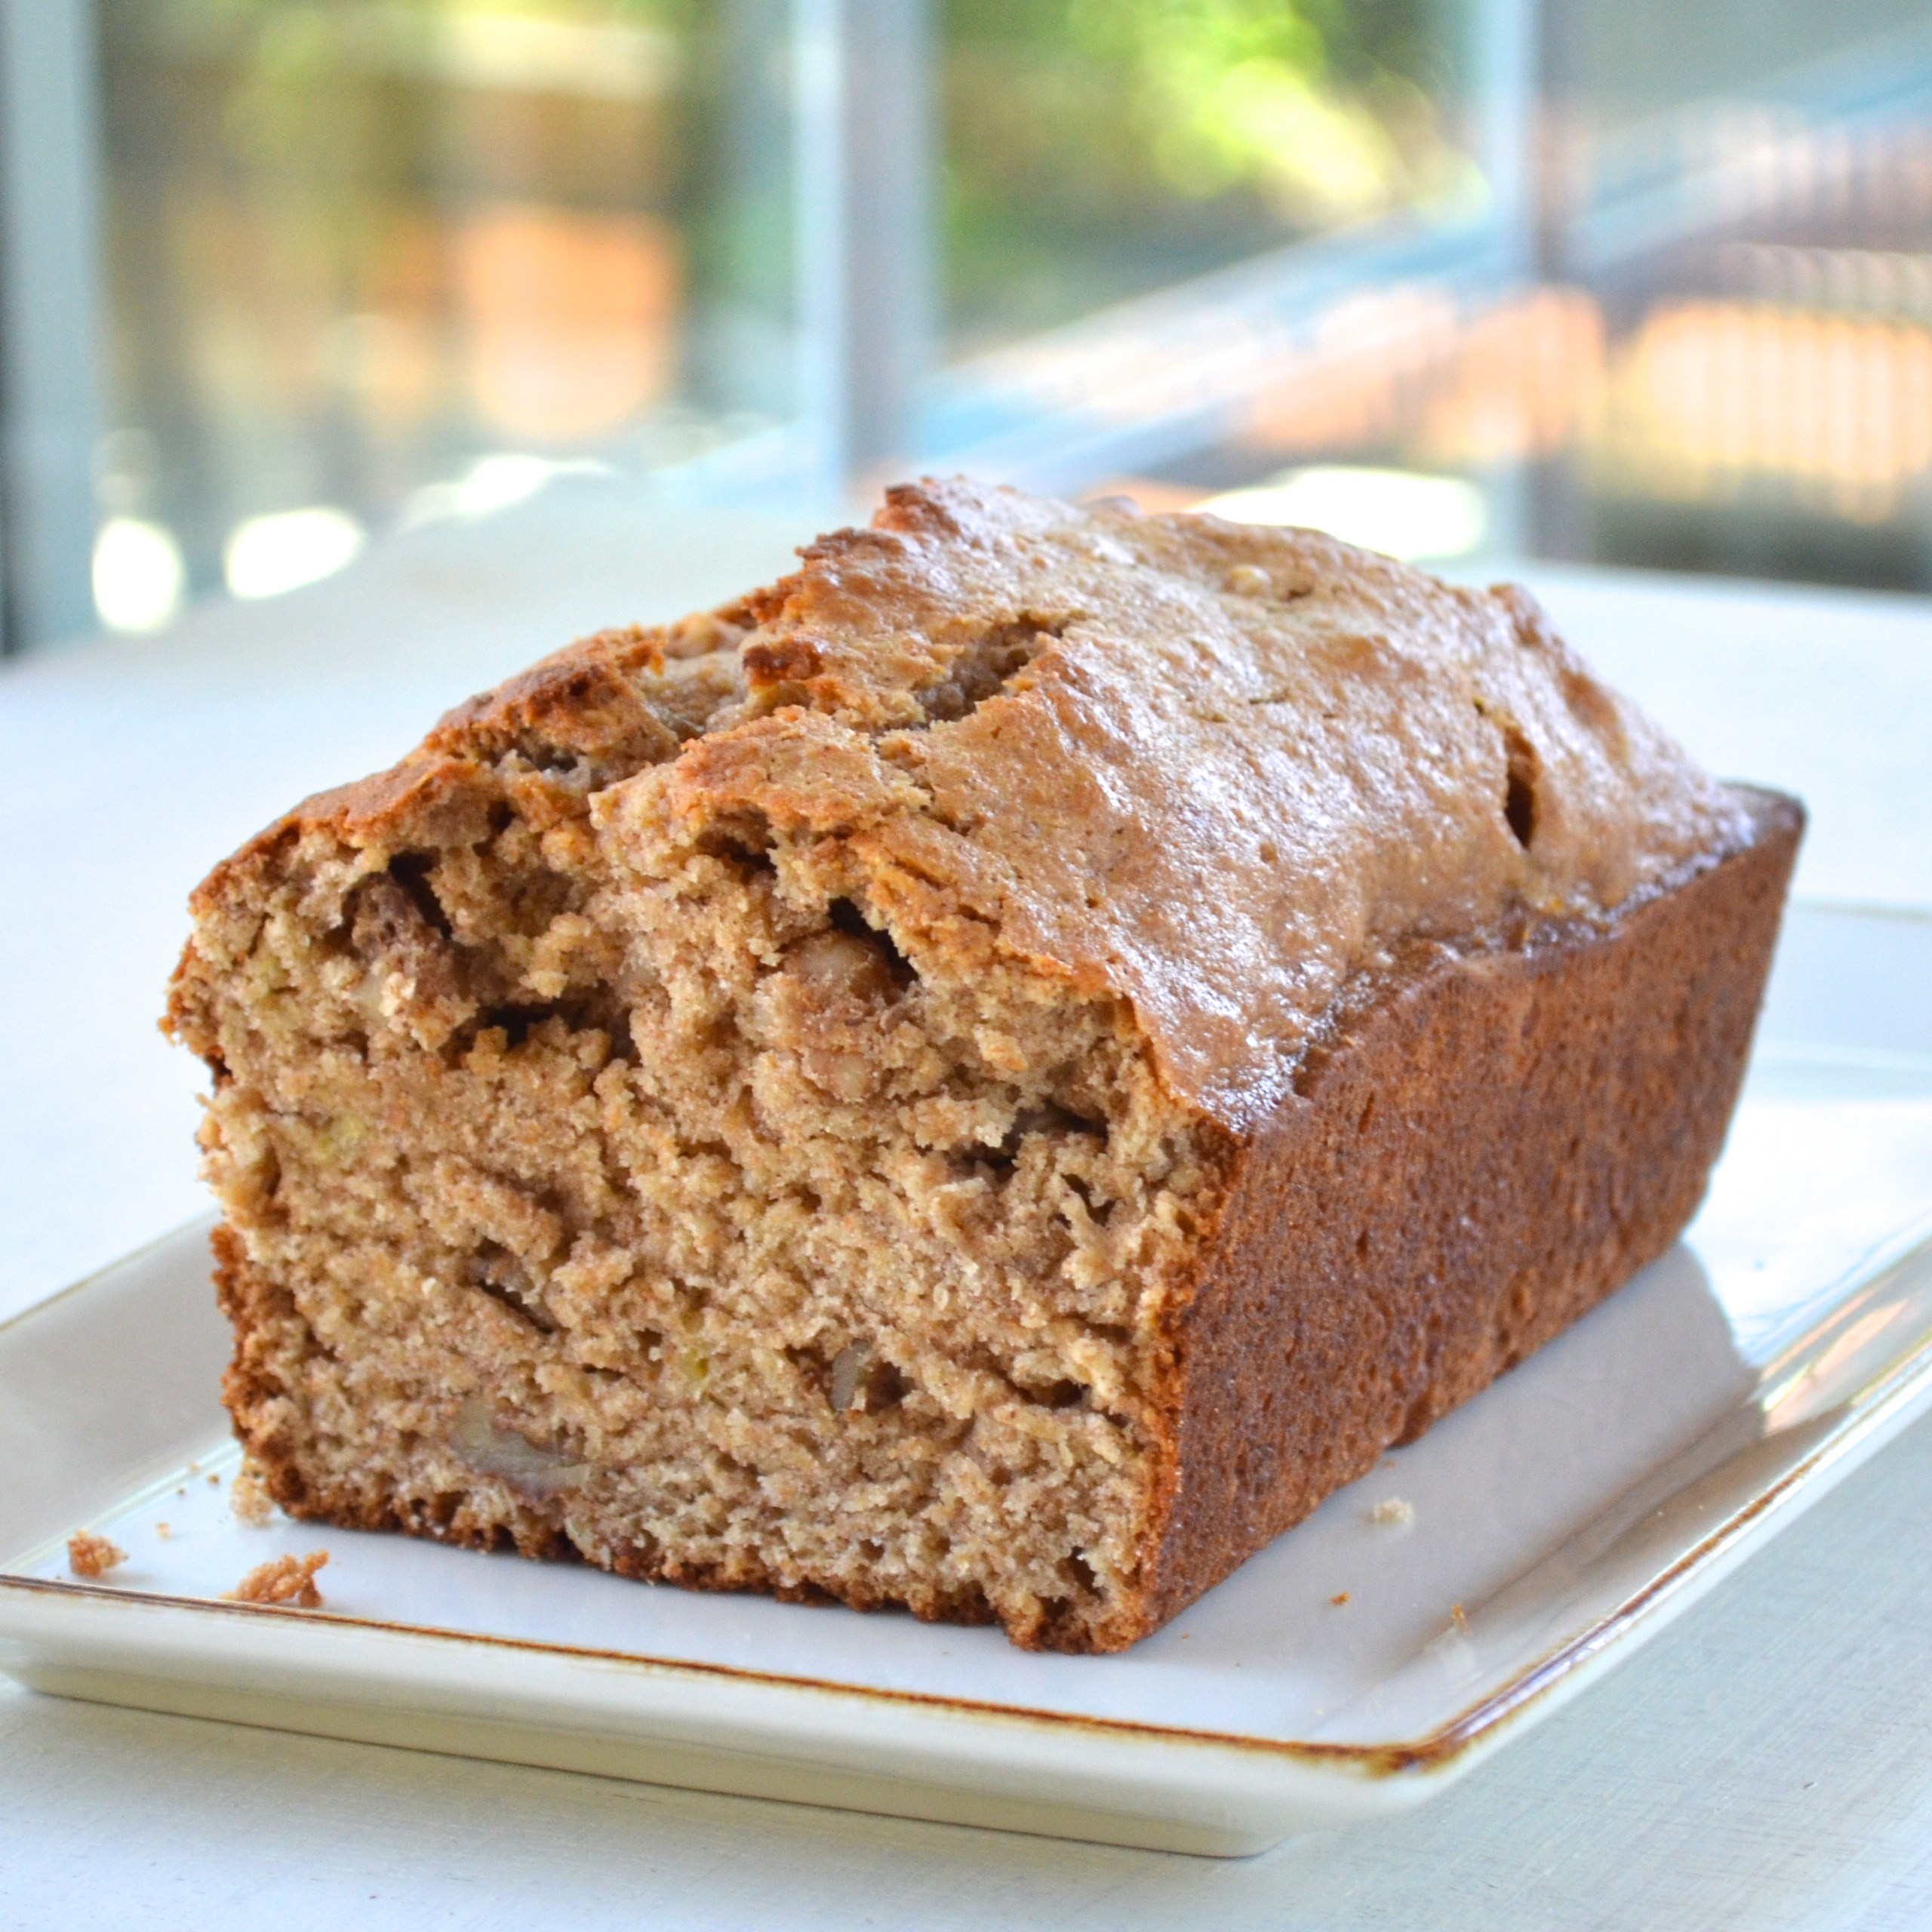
<point x="1354" y="1667"/>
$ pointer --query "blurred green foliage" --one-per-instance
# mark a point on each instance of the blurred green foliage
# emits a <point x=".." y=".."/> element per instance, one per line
<point x="1093" y="149"/>
<point x="1096" y="149"/>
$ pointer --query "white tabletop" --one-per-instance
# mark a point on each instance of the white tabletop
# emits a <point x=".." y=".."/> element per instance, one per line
<point x="1765" y="1763"/>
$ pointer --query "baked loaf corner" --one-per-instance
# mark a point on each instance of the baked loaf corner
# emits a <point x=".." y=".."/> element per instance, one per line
<point x="990" y="1076"/>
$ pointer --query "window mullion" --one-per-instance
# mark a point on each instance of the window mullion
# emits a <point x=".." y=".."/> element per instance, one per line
<point x="50" y="313"/>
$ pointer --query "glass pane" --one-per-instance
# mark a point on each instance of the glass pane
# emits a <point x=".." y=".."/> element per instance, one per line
<point x="1710" y="350"/>
<point x="1464" y="279"/>
<point x="1097" y="149"/>
<point x="374" y="261"/>
<point x="1749" y="214"/>
<point x="1191" y="246"/>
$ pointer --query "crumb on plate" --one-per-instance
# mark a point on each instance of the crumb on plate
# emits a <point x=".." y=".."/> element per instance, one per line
<point x="90" y="1555"/>
<point x="1457" y="1617"/>
<point x="284" y="1579"/>
<point x="1394" y="1512"/>
<point x="163" y="1530"/>
<point x="1339" y="1598"/>
<point x="249" y="1499"/>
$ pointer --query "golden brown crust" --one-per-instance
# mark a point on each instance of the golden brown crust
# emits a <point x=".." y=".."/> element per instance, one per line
<point x="590" y="699"/>
<point x="1475" y="1160"/>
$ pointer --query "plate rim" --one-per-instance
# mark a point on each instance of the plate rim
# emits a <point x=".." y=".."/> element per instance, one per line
<point x="1829" y="1444"/>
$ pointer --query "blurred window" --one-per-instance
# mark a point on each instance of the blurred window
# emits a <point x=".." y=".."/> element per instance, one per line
<point x="1717" y="354"/>
<point x="372" y="261"/>
<point x="1647" y="283"/>
<point x="1099" y="149"/>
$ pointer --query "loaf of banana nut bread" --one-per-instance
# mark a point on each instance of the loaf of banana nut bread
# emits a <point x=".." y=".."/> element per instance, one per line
<point x="990" y="1076"/>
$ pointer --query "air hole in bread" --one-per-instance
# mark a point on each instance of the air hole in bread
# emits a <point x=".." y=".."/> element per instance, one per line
<point x="1519" y="796"/>
<point x="411" y="871"/>
<point x="862" y="1382"/>
<point x="1048" y="1118"/>
<point x="493" y="1270"/>
<point x="845" y="917"/>
<point x="987" y="666"/>
<point x="597" y="1011"/>
<point x="743" y="840"/>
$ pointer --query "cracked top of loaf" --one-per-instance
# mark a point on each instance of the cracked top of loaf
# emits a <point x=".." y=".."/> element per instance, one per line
<point x="1215" y="769"/>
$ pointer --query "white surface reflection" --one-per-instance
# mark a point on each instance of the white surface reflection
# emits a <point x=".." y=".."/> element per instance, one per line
<point x="1827" y="1178"/>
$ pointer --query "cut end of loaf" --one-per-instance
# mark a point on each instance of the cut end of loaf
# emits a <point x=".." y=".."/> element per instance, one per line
<point x="610" y="1179"/>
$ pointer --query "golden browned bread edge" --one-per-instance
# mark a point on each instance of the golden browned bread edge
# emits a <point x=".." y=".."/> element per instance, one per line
<point x="1474" y="1161"/>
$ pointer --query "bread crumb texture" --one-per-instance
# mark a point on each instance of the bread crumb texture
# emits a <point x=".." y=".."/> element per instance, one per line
<point x="740" y="1103"/>
<point x="249" y="1501"/>
<point x="91" y="1556"/>
<point x="287" y="1580"/>
<point x="1393" y="1513"/>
